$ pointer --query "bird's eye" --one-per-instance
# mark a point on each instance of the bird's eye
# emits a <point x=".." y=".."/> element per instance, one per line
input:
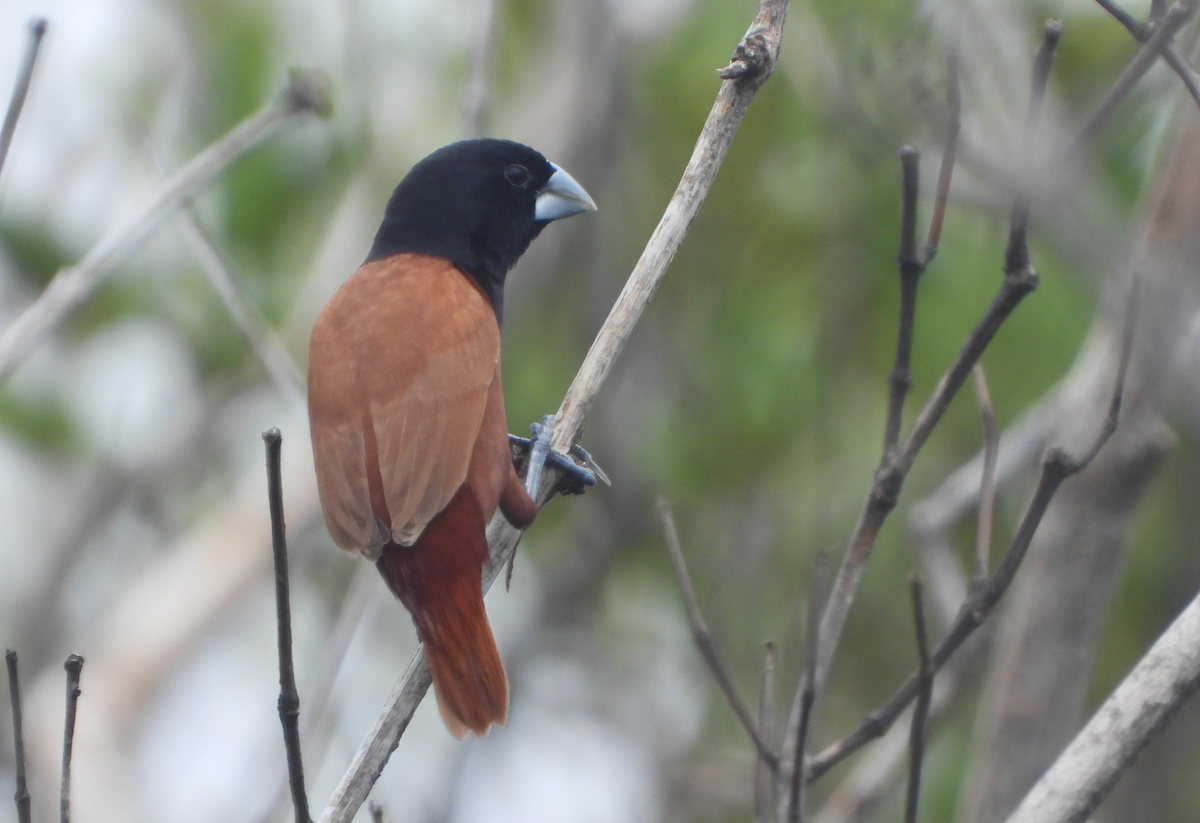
<point x="517" y="175"/>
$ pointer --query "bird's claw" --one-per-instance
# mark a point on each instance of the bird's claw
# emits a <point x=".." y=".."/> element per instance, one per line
<point x="574" y="477"/>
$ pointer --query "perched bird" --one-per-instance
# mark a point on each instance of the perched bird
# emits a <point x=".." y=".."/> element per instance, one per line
<point x="406" y="408"/>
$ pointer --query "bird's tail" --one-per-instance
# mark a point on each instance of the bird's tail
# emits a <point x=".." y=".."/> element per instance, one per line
<point x="439" y="580"/>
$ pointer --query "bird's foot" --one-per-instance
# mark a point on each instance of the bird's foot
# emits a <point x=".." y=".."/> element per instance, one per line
<point x="575" y="477"/>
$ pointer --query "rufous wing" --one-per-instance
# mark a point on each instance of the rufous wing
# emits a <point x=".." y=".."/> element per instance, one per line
<point x="400" y="366"/>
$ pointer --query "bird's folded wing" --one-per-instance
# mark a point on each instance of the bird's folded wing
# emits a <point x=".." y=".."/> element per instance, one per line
<point x="399" y="372"/>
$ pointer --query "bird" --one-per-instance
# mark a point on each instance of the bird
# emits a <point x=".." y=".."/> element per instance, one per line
<point x="406" y="405"/>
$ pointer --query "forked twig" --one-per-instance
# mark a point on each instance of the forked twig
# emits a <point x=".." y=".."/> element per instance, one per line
<point x="1019" y="280"/>
<point x="289" y="696"/>
<point x="1164" y="30"/>
<point x="37" y="30"/>
<point x="1057" y="465"/>
<point x="704" y="639"/>
<point x="14" y="697"/>
<point x="73" y="666"/>
<point x="1170" y="52"/>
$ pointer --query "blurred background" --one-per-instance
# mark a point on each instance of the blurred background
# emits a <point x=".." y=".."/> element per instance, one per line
<point x="133" y="522"/>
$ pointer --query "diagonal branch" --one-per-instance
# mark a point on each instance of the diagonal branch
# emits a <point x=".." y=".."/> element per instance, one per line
<point x="1164" y="30"/>
<point x="704" y="639"/>
<point x="753" y="62"/>
<point x="71" y="287"/>
<point x="1057" y="465"/>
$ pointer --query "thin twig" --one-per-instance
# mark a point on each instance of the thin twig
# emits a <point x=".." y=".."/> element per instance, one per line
<point x="1057" y="465"/>
<point x="306" y="91"/>
<point x="1016" y="257"/>
<point x="37" y="30"/>
<point x="987" y="483"/>
<point x="14" y="696"/>
<point x="949" y="155"/>
<point x="73" y="666"/>
<point x="1164" y="30"/>
<point x="376" y="812"/>
<point x="1170" y="52"/>
<point x="808" y="691"/>
<point x="477" y="90"/>
<point x="1020" y="279"/>
<point x="704" y="638"/>
<point x="274" y="357"/>
<point x="764" y="778"/>
<point x="911" y="267"/>
<point x="289" y="697"/>
<point x="920" y="718"/>
<point x="754" y="61"/>
<point x="1138" y="29"/>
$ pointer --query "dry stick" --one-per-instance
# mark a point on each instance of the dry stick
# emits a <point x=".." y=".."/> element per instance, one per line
<point x="949" y="155"/>
<point x="1057" y="466"/>
<point x="14" y="696"/>
<point x="808" y="693"/>
<point x="764" y="780"/>
<point x="37" y="29"/>
<point x="289" y="697"/>
<point x="920" y="718"/>
<point x="1125" y="723"/>
<point x="1019" y="280"/>
<point x="987" y="483"/>
<point x="73" y="666"/>
<point x="1170" y="53"/>
<point x="1179" y="14"/>
<point x="705" y="640"/>
<point x="753" y="62"/>
<point x="306" y="91"/>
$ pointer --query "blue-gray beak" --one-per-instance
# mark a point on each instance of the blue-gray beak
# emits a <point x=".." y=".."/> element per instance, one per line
<point x="561" y="197"/>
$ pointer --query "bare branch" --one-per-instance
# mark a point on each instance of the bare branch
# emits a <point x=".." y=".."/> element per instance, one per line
<point x="14" y="697"/>
<point x="289" y="697"/>
<point x="808" y="689"/>
<point x="1057" y="466"/>
<point x="764" y="778"/>
<point x="1019" y="280"/>
<point x="37" y="30"/>
<point x="1164" y="30"/>
<point x="704" y="639"/>
<point x="73" y="666"/>
<point x="73" y="285"/>
<point x="920" y="718"/>
<point x="1170" y="52"/>
<point x="754" y="61"/>
<point x="987" y="483"/>
<point x="911" y="268"/>
<point x="1125" y="724"/>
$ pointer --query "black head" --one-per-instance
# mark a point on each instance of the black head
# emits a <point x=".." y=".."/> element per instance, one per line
<point x="479" y="204"/>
